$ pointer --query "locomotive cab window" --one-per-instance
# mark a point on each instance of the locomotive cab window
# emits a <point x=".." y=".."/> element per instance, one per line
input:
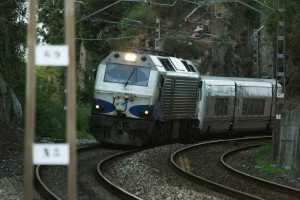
<point x="127" y="74"/>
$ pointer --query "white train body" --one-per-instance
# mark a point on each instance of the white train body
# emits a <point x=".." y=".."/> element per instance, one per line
<point x="153" y="89"/>
<point x="154" y="98"/>
<point x="236" y="104"/>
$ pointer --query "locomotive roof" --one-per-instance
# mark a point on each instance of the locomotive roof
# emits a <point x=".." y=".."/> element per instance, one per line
<point x="164" y="63"/>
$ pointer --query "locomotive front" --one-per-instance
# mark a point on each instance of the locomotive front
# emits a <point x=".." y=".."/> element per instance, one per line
<point x="124" y="95"/>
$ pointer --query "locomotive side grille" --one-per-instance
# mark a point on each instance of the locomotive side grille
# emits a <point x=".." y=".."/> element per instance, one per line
<point x="180" y="96"/>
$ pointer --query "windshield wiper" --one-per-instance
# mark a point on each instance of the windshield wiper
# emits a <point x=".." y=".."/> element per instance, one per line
<point x="129" y="76"/>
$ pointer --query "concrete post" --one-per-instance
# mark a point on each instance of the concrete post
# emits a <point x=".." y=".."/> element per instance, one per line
<point x="289" y="148"/>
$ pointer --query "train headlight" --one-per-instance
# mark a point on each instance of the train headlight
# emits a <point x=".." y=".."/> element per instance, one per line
<point x="145" y="113"/>
<point x="99" y="107"/>
<point x="130" y="57"/>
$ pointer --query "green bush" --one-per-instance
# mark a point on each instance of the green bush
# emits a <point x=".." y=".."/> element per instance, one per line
<point x="261" y="158"/>
<point x="83" y="112"/>
<point x="50" y="120"/>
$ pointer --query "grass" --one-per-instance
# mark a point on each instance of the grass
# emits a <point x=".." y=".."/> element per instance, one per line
<point x="84" y="135"/>
<point x="262" y="162"/>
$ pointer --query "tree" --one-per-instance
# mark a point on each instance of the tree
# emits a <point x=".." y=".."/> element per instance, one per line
<point x="292" y="30"/>
<point x="13" y="45"/>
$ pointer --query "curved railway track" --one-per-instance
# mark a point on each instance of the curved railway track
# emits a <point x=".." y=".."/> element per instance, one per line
<point x="241" y="189"/>
<point x="50" y="181"/>
<point x="147" y="175"/>
<point x="271" y="185"/>
<point x="119" y="191"/>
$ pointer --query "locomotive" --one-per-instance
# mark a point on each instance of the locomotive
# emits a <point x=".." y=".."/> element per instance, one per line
<point x="143" y="97"/>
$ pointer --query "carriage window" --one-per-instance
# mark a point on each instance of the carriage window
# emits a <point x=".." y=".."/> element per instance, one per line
<point x="221" y="106"/>
<point x="132" y="75"/>
<point x="253" y="106"/>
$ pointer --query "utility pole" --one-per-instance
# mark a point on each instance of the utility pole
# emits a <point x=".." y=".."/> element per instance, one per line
<point x="280" y="76"/>
<point x="156" y="42"/>
<point x="50" y="55"/>
<point x="256" y="65"/>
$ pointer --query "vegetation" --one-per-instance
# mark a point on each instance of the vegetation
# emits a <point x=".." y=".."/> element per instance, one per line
<point x="292" y="33"/>
<point x="12" y="45"/>
<point x="182" y="48"/>
<point x="261" y="155"/>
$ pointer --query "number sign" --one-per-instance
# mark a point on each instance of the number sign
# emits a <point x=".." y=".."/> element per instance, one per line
<point x="51" y="154"/>
<point x="52" y="55"/>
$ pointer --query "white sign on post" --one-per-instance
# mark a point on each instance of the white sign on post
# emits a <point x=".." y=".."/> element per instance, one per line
<point x="280" y="95"/>
<point x="52" y="55"/>
<point x="51" y="154"/>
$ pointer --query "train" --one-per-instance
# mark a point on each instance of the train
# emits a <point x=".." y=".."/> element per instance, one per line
<point x="147" y="97"/>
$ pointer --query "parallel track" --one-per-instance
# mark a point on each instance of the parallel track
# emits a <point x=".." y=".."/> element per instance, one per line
<point x="43" y="188"/>
<point x="271" y="185"/>
<point x="216" y="186"/>
<point x="123" y="194"/>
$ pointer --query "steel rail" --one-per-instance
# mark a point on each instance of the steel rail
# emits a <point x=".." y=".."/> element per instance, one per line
<point x="271" y="185"/>
<point x="119" y="191"/>
<point x="39" y="184"/>
<point x="210" y="184"/>
<point x="43" y="189"/>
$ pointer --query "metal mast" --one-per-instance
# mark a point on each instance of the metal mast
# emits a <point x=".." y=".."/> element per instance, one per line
<point x="280" y="55"/>
<point x="280" y="76"/>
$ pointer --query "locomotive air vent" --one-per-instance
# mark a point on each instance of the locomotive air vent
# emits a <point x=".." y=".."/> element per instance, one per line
<point x="167" y="64"/>
<point x="188" y="67"/>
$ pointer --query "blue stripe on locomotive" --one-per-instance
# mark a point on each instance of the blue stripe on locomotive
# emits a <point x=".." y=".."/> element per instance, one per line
<point x="137" y="110"/>
<point x="107" y="106"/>
<point x="134" y="110"/>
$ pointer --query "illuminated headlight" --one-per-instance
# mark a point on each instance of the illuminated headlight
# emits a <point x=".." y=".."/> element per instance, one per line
<point x="99" y="107"/>
<point x="130" y="57"/>
<point x="145" y="112"/>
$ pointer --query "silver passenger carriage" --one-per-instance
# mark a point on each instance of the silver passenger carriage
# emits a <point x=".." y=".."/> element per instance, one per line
<point x="236" y="104"/>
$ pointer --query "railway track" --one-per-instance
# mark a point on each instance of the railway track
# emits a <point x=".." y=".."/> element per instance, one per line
<point x="268" y="184"/>
<point x="51" y="181"/>
<point x="239" y="186"/>
<point x="119" y="191"/>
<point x="147" y="175"/>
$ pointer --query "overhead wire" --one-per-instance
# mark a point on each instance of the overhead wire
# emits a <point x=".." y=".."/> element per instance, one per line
<point x="11" y="22"/>
<point x="174" y="32"/>
<point x="5" y="2"/>
<point x="115" y="38"/>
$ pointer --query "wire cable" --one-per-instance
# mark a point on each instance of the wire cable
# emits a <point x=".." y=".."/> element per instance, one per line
<point x="5" y="2"/>
<point x="118" y="38"/>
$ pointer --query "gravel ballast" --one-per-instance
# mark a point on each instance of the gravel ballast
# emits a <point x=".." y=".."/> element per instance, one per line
<point x="153" y="181"/>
